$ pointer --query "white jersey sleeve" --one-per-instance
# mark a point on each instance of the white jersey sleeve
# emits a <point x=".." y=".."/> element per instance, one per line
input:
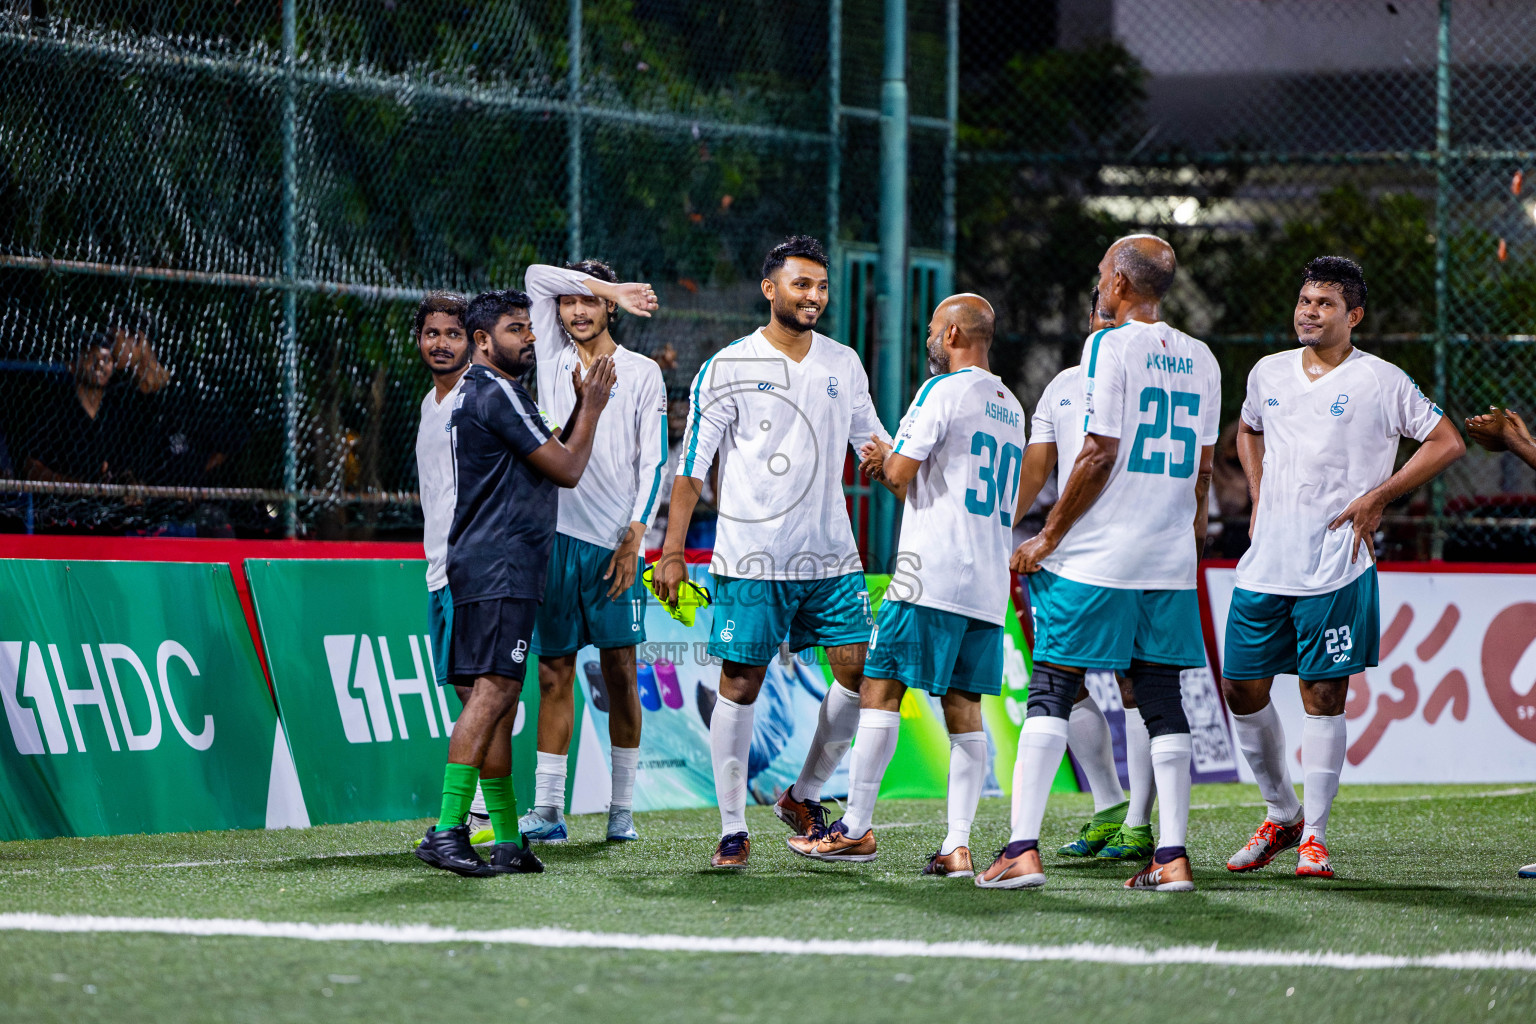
<point x="544" y="285"/>
<point x="1042" y="425"/>
<point x="1104" y="386"/>
<point x="1410" y="412"/>
<point x="926" y="421"/>
<point x="651" y="411"/>
<point x="865" y="420"/>
<point x="711" y="412"/>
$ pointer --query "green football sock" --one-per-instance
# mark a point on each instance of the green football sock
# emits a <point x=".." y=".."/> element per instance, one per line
<point x="458" y="793"/>
<point x="501" y="805"/>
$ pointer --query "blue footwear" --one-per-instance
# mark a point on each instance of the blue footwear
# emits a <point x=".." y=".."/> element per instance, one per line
<point x="1529" y="871"/>
<point x="538" y="829"/>
<point x="621" y="825"/>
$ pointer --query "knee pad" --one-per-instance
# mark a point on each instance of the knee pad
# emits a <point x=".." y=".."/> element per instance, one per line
<point x="1160" y="698"/>
<point x="1051" y="692"/>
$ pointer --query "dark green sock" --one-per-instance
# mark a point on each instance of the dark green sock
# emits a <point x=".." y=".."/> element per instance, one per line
<point x="501" y="805"/>
<point x="458" y="793"/>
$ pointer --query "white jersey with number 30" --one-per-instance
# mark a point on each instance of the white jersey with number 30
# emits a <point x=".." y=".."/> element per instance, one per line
<point x="967" y="429"/>
<point x="1158" y="391"/>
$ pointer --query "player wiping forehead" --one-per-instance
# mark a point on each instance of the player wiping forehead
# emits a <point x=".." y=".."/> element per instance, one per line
<point x="593" y="595"/>
<point x="781" y="407"/>
<point x="1113" y="570"/>
<point x="1120" y="828"/>
<point x="1318" y="440"/>
<point x="940" y="628"/>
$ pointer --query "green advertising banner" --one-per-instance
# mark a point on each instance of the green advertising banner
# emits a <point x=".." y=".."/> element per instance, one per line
<point x="133" y="703"/>
<point x="351" y="663"/>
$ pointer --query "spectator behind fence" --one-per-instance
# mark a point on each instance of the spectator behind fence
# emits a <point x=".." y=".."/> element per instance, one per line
<point x="79" y="432"/>
<point x="1231" y="504"/>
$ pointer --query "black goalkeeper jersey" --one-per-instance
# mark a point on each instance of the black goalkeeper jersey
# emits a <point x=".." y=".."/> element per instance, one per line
<point x="504" y="516"/>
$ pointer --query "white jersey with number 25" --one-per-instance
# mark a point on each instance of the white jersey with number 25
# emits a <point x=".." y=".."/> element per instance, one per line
<point x="1158" y="391"/>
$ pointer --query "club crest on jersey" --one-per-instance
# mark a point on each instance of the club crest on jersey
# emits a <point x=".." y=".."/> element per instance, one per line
<point x="832" y="386"/>
<point x="1337" y="408"/>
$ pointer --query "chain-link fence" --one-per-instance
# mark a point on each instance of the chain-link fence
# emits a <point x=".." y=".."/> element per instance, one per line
<point x="1256" y="134"/>
<point x="215" y="220"/>
<point x="227" y="211"/>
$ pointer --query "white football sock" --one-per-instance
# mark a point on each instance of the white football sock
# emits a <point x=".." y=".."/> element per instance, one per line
<point x="1261" y="738"/>
<point x="1089" y="740"/>
<point x="1322" y="759"/>
<point x="478" y="805"/>
<point x="549" y="785"/>
<point x="1042" y="741"/>
<point x="836" y="722"/>
<point x="1138" y="769"/>
<point x="1170" y="767"/>
<point x="625" y="762"/>
<point x="730" y="742"/>
<point x="967" y="774"/>
<point x="878" y="732"/>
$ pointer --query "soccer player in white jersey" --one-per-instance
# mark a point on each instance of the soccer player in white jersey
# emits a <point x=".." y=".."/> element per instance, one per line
<point x="593" y="594"/>
<point x="940" y="627"/>
<point x="780" y="407"/>
<point x="1318" y="440"/>
<point x="1120" y="828"/>
<point x="1112" y="580"/>
<point x="444" y="347"/>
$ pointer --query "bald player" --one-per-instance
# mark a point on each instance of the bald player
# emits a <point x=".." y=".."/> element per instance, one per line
<point x="1112" y="573"/>
<point x="956" y="468"/>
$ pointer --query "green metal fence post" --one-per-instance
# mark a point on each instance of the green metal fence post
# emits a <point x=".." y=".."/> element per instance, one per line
<point x="290" y="339"/>
<point x="836" y="323"/>
<point x="573" y="128"/>
<point x="1443" y="157"/>
<point x="951" y="138"/>
<point x="890" y="299"/>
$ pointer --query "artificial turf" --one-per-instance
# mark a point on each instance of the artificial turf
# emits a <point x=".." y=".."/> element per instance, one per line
<point x="1420" y="870"/>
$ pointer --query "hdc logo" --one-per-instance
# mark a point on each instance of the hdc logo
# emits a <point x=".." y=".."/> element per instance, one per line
<point x="32" y="726"/>
<point x="366" y="719"/>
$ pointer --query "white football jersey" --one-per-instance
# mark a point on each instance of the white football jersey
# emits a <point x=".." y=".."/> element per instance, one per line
<point x="1058" y="419"/>
<point x="967" y="429"/>
<point x="622" y="481"/>
<point x="1327" y="441"/>
<point x="782" y="430"/>
<point x="434" y="471"/>
<point x="1158" y="391"/>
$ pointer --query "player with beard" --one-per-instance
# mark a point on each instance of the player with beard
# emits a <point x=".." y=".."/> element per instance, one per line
<point x="594" y="594"/>
<point x="781" y="407"/>
<point x="509" y="466"/>
<point x="940" y="628"/>
<point x="444" y="348"/>
<point x="1319" y="431"/>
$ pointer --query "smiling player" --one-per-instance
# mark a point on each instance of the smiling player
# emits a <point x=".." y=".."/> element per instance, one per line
<point x="1320" y="429"/>
<point x="781" y="406"/>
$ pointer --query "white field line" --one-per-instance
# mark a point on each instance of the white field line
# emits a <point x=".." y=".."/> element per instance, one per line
<point x="559" y="938"/>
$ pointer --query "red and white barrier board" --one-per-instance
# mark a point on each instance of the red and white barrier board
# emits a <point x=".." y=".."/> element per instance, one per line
<point x="1454" y="697"/>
